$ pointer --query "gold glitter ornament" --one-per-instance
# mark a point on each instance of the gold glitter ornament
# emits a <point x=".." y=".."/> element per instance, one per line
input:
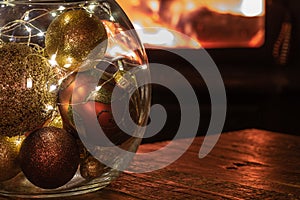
<point x="25" y="98"/>
<point x="72" y="36"/>
<point x="9" y="151"/>
<point x="49" y="157"/>
<point x="56" y="121"/>
<point x="91" y="168"/>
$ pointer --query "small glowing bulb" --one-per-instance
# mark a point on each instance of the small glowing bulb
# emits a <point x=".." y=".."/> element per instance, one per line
<point x="92" y="7"/>
<point x="61" y="8"/>
<point x="144" y="67"/>
<point x="53" y="14"/>
<point x="28" y="29"/>
<point x="52" y="60"/>
<point x="18" y="142"/>
<point x="49" y="107"/>
<point x="52" y="88"/>
<point x="29" y="83"/>
<point x="112" y="18"/>
<point x="26" y="17"/>
<point x="41" y="34"/>
<point x="120" y="66"/>
<point x="68" y="65"/>
<point x="98" y="88"/>
<point x="67" y="19"/>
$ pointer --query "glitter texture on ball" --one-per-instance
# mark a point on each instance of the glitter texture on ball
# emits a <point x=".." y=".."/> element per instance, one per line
<point x="72" y="36"/>
<point x="91" y="168"/>
<point x="9" y="152"/>
<point x="49" y="157"/>
<point x="26" y="102"/>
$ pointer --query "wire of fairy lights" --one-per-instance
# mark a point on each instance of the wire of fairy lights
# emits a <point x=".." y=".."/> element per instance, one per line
<point x="30" y="31"/>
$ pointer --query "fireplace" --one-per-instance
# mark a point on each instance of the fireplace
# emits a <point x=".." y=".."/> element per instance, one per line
<point x="208" y="23"/>
<point x="254" y="43"/>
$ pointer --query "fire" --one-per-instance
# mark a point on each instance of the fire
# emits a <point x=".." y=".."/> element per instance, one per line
<point x="197" y="23"/>
<point x="251" y="8"/>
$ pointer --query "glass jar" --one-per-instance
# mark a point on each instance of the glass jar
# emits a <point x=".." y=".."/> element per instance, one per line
<point x="74" y="97"/>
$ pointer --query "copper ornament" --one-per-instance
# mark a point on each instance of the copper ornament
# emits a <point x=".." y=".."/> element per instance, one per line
<point x="77" y="97"/>
<point x="91" y="168"/>
<point x="49" y="157"/>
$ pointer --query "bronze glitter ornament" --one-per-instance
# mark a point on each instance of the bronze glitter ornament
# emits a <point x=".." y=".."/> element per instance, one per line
<point x="25" y="98"/>
<point x="91" y="168"/>
<point x="49" y="157"/>
<point x="9" y="151"/>
<point x="72" y="36"/>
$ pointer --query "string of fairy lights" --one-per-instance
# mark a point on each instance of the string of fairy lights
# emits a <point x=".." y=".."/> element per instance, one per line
<point x="26" y="21"/>
<point x="30" y="31"/>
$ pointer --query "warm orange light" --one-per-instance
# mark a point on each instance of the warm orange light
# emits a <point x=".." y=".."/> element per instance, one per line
<point x="154" y="5"/>
<point x="201" y="22"/>
<point x="251" y="8"/>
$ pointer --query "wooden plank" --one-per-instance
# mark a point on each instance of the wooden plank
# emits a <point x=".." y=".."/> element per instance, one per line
<point x="244" y="164"/>
<point x="247" y="164"/>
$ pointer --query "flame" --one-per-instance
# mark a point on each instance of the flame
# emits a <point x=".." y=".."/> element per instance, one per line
<point x="182" y="23"/>
<point x="251" y="8"/>
<point x="164" y="37"/>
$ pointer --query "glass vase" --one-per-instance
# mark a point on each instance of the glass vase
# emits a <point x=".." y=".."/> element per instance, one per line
<point x="74" y="96"/>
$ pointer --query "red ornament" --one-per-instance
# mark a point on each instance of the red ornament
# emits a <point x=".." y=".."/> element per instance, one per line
<point x="85" y="106"/>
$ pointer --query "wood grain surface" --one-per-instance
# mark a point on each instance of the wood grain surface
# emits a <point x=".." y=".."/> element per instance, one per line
<point x="247" y="164"/>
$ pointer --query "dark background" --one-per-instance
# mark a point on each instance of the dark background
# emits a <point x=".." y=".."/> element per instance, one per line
<point x="260" y="92"/>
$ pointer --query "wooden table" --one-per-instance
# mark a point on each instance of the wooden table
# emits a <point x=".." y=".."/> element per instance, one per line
<point x="247" y="164"/>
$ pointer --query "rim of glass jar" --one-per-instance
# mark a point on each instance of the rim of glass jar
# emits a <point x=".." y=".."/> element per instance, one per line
<point x="12" y="2"/>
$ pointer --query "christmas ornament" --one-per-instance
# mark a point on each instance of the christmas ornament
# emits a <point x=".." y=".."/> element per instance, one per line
<point x="44" y="44"/>
<point x="72" y="36"/>
<point x="49" y="157"/>
<point x="91" y="168"/>
<point x="26" y="100"/>
<point x="84" y="96"/>
<point x="55" y="121"/>
<point x="83" y="152"/>
<point x="9" y="151"/>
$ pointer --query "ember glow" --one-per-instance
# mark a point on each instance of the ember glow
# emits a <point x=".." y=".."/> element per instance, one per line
<point x="198" y="23"/>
